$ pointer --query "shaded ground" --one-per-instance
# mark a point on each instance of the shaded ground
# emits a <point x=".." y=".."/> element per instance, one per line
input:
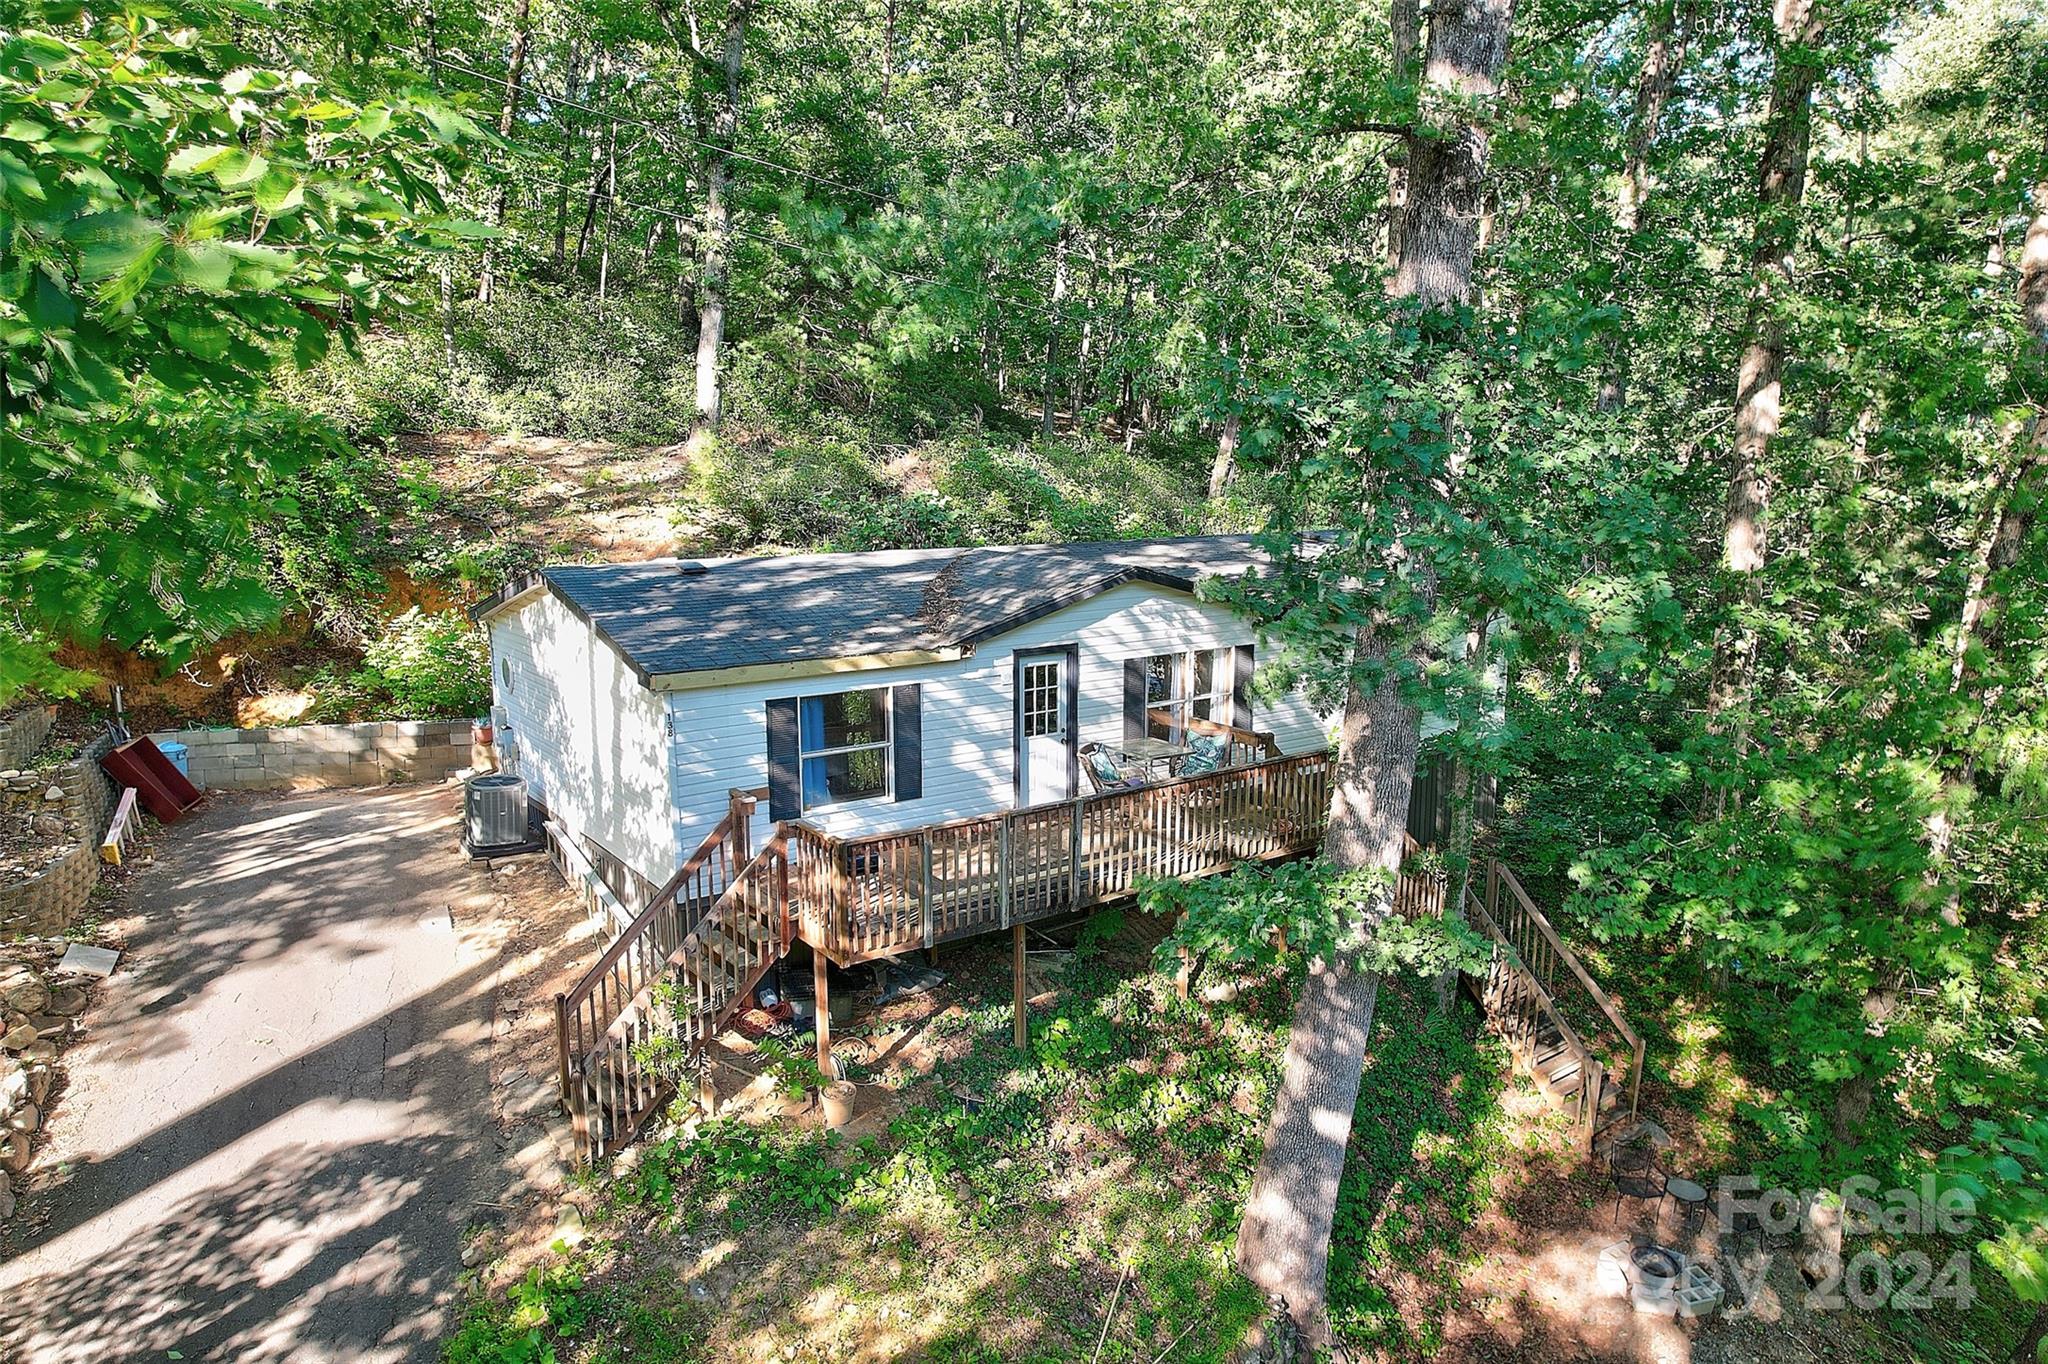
<point x="990" y="1206"/>
<point x="280" y="1122"/>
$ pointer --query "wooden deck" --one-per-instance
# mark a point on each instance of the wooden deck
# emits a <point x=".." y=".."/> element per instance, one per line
<point x="885" y="894"/>
<point x="690" y="958"/>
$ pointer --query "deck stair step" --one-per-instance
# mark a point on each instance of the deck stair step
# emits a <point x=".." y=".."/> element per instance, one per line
<point x="1561" y="1028"/>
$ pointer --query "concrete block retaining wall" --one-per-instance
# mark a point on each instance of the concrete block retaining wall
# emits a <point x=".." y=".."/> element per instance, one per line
<point x="21" y="736"/>
<point x="304" y="757"/>
<point x="47" y="902"/>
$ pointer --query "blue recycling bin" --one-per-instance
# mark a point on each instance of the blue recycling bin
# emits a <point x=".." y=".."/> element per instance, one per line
<point x="176" y="753"/>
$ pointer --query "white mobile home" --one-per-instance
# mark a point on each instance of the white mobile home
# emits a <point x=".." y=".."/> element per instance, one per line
<point x="865" y="692"/>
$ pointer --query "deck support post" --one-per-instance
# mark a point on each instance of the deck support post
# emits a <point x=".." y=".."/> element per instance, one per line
<point x="1003" y="867"/>
<point x="1074" y="858"/>
<point x="925" y="887"/>
<point x="819" y="967"/>
<point x="707" y="1085"/>
<point x="1020" y="1026"/>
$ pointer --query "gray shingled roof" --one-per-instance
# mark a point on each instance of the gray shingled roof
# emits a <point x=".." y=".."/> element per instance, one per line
<point x="665" y="619"/>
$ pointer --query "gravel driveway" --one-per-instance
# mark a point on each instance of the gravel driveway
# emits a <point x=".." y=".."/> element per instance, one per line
<point x="278" y="1122"/>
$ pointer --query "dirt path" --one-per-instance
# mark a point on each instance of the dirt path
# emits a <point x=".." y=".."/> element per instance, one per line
<point x="281" y="1119"/>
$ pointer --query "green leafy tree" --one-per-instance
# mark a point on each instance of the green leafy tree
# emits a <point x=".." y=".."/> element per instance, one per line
<point x="182" y="213"/>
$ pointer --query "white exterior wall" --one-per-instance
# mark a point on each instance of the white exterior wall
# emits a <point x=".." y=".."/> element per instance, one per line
<point x="591" y="740"/>
<point x="966" y="709"/>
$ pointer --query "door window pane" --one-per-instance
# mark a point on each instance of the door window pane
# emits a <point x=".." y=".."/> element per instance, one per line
<point x="1041" y="699"/>
<point x="1162" y="672"/>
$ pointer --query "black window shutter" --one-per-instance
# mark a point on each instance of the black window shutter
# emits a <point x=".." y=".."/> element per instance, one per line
<point x="785" y="800"/>
<point x="1241" y="687"/>
<point x="1074" y="718"/>
<point x="906" y="724"/>
<point x="1134" y="699"/>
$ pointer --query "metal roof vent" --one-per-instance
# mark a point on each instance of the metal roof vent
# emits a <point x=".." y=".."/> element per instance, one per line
<point x="690" y="568"/>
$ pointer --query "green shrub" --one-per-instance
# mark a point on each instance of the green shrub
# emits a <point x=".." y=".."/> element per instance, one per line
<point x="432" y="666"/>
<point x="537" y="361"/>
<point x="1239" y="920"/>
<point x="800" y="494"/>
<point x="547" y="1305"/>
<point x="421" y="666"/>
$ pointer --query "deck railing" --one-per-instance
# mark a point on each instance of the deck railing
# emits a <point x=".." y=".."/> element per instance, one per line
<point x="603" y="1022"/>
<point x="1422" y="889"/>
<point x="890" y="892"/>
<point x="1538" y="992"/>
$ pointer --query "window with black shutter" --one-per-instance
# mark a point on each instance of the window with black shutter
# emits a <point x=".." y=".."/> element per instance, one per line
<point x="844" y="747"/>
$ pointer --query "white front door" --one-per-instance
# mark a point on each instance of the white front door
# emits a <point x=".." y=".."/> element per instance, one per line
<point x="1045" y="727"/>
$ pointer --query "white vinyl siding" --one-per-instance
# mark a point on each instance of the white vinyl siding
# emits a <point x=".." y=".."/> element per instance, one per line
<point x="591" y="739"/>
<point x="720" y="734"/>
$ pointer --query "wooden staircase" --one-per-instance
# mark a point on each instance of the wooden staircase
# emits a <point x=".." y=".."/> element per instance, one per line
<point x="672" y="977"/>
<point x="1563" y="1029"/>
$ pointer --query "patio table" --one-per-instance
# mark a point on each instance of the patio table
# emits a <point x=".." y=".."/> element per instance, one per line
<point x="1691" y="1198"/>
<point x="1155" y="756"/>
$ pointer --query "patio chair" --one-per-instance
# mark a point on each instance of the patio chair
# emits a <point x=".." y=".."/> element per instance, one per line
<point x="1634" y="1175"/>
<point x="1205" y="755"/>
<point x="1103" y="772"/>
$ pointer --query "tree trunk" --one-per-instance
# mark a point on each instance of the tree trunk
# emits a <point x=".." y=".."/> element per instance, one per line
<point x="2028" y="1351"/>
<point x="2015" y="502"/>
<point x="1663" y="53"/>
<point x="1226" y="456"/>
<point x="611" y="203"/>
<point x="1052" y="335"/>
<point x="1404" y="22"/>
<point x="448" y="318"/>
<point x="591" y="198"/>
<point x="1465" y="786"/>
<point x="888" y="58"/>
<point x="1126" y="382"/>
<point x="1283" y="1244"/>
<point x="1781" y="185"/>
<point x="2007" y="520"/>
<point x="718" y="220"/>
<point x="515" y="77"/>
<point x="2008" y="517"/>
<point x="561" y="247"/>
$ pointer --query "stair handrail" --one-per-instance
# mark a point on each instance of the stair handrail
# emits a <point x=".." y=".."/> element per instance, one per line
<point x="728" y="831"/>
<point x="646" y="927"/>
<point x="773" y="850"/>
<point x="1592" y="1076"/>
<point x="1505" y="876"/>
